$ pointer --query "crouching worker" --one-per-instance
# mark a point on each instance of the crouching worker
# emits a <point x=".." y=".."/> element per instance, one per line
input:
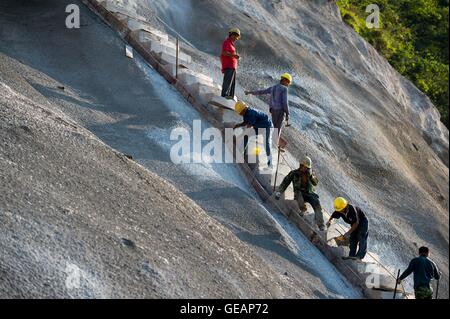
<point x="260" y="122"/>
<point x="359" y="231"/>
<point x="304" y="181"/>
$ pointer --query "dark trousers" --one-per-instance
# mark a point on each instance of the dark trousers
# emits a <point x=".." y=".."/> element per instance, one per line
<point x="267" y="141"/>
<point x="277" y="119"/>
<point x="313" y="200"/>
<point x="359" y="238"/>
<point x="229" y="83"/>
<point x="423" y="292"/>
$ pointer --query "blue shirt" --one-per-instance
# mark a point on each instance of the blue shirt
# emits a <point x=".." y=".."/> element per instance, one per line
<point x="424" y="270"/>
<point x="278" y="97"/>
<point x="354" y="215"/>
<point x="257" y="119"/>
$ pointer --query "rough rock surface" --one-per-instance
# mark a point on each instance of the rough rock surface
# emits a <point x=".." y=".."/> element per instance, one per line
<point x="72" y="205"/>
<point x="373" y="135"/>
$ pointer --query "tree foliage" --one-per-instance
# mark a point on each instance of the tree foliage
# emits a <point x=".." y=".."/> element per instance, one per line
<point x="413" y="36"/>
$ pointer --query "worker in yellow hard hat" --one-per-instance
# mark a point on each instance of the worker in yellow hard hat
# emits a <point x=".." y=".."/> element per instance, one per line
<point x="359" y="231"/>
<point x="229" y="59"/>
<point x="279" y="102"/>
<point x="260" y="122"/>
<point x="304" y="181"/>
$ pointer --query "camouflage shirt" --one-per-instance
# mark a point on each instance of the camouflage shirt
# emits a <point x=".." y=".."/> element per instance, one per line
<point x="302" y="182"/>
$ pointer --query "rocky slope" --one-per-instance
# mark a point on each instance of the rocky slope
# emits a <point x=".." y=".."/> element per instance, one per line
<point x="375" y="138"/>
<point x="70" y="205"/>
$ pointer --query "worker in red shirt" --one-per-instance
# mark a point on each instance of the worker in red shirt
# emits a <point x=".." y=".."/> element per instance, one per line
<point x="229" y="60"/>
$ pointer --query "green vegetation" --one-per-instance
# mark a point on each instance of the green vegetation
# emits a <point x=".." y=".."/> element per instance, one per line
<point x="413" y="36"/>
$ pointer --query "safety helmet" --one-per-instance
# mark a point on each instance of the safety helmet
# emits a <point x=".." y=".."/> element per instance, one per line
<point x="340" y="204"/>
<point x="287" y="76"/>
<point x="240" y="107"/>
<point x="307" y="162"/>
<point x="236" y="31"/>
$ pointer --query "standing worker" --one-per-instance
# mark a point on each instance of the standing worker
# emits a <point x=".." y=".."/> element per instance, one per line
<point x="229" y="59"/>
<point x="260" y="122"/>
<point x="359" y="231"/>
<point x="424" y="270"/>
<point x="304" y="181"/>
<point x="279" y="102"/>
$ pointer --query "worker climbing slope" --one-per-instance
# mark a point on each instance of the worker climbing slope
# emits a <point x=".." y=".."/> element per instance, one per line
<point x="261" y="123"/>
<point x="279" y="102"/>
<point x="304" y="181"/>
<point x="359" y="231"/>
<point x="229" y="59"/>
<point x="424" y="270"/>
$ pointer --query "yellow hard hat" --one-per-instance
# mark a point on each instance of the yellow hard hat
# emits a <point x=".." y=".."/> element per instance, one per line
<point x="235" y="30"/>
<point x="340" y="204"/>
<point x="287" y="76"/>
<point x="240" y="107"/>
<point x="307" y="162"/>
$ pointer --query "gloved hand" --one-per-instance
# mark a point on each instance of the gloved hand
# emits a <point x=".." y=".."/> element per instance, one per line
<point x="347" y="236"/>
<point x="329" y="224"/>
<point x="399" y="281"/>
<point x="277" y="195"/>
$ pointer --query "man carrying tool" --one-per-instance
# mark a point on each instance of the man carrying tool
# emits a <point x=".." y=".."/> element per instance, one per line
<point x="229" y="60"/>
<point x="359" y="231"/>
<point x="279" y="101"/>
<point x="260" y="122"/>
<point x="424" y="270"/>
<point x="304" y="181"/>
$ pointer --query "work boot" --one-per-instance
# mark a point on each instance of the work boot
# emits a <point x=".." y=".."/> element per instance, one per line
<point x="349" y="258"/>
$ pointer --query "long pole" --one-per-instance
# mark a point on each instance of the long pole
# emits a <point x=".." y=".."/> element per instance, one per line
<point x="276" y="173"/>
<point x="396" y="284"/>
<point x="437" y="289"/>
<point x="177" y="58"/>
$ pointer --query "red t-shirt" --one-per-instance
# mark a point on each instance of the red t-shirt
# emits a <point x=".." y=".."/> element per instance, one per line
<point x="228" y="62"/>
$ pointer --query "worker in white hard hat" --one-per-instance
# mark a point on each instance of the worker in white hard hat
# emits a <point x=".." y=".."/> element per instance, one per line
<point x="229" y="59"/>
<point x="279" y="102"/>
<point x="304" y="182"/>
